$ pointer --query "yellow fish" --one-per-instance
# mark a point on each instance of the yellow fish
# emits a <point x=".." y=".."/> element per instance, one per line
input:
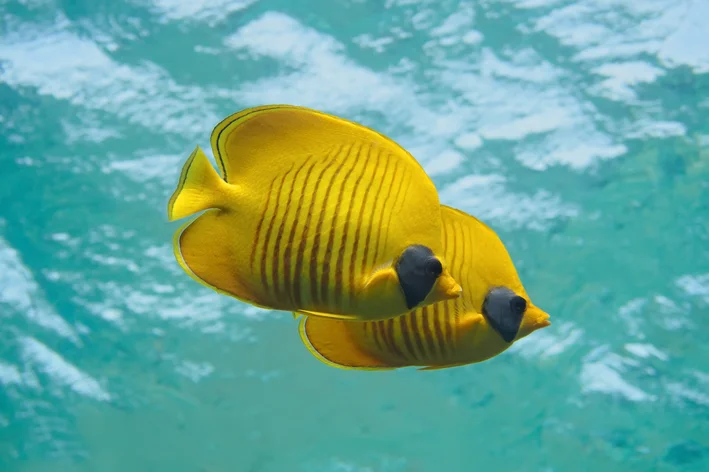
<point x="312" y="213"/>
<point x="494" y="312"/>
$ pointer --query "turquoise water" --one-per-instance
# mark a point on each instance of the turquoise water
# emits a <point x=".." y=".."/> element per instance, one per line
<point x="577" y="129"/>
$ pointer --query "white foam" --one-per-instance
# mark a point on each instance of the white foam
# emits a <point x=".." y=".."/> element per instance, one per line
<point x="605" y="375"/>
<point x="542" y="121"/>
<point x="681" y="391"/>
<point x="61" y="371"/>
<point x="9" y="374"/>
<point x="487" y="197"/>
<point x="622" y="76"/>
<point x="445" y="161"/>
<point x="645" y="351"/>
<point x="687" y="45"/>
<point x="210" y="11"/>
<point x="19" y="290"/>
<point x="695" y="285"/>
<point x="57" y="62"/>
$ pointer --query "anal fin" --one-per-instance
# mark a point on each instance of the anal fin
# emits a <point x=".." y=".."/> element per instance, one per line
<point x="320" y="314"/>
<point x="340" y="344"/>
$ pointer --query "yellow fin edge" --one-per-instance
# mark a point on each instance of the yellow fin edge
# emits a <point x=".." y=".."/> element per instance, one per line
<point x="235" y="119"/>
<point x="220" y="132"/>
<point x="325" y="315"/>
<point x="180" y="260"/>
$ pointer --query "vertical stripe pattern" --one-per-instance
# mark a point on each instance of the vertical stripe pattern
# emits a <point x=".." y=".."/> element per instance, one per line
<point x="323" y="226"/>
<point x="427" y="335"/>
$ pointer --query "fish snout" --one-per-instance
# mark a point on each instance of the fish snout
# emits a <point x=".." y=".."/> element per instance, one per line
<point x="534" y="319"/>
<point x="446" y="288"/>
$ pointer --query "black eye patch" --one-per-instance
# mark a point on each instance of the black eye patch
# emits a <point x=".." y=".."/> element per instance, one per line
<point x="504" y="310"/>
<point x="417" y="269"/>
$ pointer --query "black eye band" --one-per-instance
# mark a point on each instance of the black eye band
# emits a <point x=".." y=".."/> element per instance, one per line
<point x="417" y="269"/>
<point x="504" y="310"/>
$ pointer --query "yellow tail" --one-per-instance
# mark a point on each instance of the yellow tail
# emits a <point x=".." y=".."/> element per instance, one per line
<point x="199" y="188"/>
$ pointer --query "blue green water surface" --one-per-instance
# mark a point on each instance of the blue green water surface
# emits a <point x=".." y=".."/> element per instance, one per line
<point x="578" y="129"/>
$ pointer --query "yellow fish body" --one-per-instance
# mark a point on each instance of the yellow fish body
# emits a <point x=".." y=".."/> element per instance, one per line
<point x="493" y="312"/>
<point x="312" y="213"/>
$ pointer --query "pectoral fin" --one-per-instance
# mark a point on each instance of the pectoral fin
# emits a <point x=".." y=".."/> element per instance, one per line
<point x="382" y="280"/>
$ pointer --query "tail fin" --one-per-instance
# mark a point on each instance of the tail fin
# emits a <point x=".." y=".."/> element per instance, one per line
<point x="199" y="188"/>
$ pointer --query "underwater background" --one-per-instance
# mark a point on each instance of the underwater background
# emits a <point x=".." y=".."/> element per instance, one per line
<point x="578" y="130"/>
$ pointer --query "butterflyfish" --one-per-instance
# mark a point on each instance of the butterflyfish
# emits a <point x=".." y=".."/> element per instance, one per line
<point x="311" y="213"/>
<point x="493" y="312"/>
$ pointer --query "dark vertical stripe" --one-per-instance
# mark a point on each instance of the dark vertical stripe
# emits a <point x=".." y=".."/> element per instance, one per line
<point x="427" y="331"/>
<point x="404" y="328"/>
<point x="394" y="205"/>
<point x="448" y="323"/>
<point x="455" y="253"/>
<point x="254" y="246"/>
<point x="304" y="242"/>
<point x="384" y="335"/>
<point x="388" y="326"/>
<point x="438" y="331"/>
<point x="462" y="253"/>
<point x="416" y="331"/>
<point x="377" y="335"/>
<point x="357" y="233"/>
<point x="275" y="261"/>
<point x="468" y="254"/>
<point x="385" y="205"/>
<point x="419" y="353"/>
<point x="380" y="187"/>
<point x="449" y="306"/>
<point x="267" y="240"/>
<point x="315" y="296"/>
<point x="345" y="229"/>
<point x="293" y="285"/>
<point x="327" y="258"/>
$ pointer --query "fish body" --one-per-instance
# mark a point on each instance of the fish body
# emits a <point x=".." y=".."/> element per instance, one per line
<point x="311" y="213"/>
<point x="493" y="312"/>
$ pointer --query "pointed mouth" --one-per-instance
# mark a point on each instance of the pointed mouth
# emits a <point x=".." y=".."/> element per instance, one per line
<point x="446" y="288"/>
<point x="538" y="318"/>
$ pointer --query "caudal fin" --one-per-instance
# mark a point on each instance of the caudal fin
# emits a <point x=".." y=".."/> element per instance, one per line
<point x="199" y="188"/>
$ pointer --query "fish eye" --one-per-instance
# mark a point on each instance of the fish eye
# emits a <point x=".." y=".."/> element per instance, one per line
<point x="518" y="304"/>
<point x="434" y="266"/>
